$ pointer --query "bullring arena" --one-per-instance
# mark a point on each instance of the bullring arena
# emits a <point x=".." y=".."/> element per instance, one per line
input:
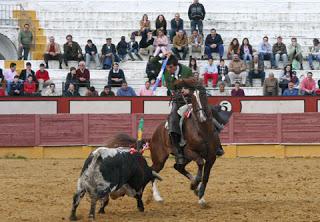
<point x="270" y="169"/>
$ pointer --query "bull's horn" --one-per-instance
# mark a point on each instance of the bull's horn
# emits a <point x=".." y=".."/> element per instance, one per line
<point x="156" y="175"/>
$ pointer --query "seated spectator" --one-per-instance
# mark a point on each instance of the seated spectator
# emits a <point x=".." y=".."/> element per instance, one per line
<point x="125" y="90"/>
<point x="180" y="45"/>
<point x="196" y="43"/>
<point x="146" y="44"/>
<point x="196" y="75"/>
<point x="222" y="91"/>
<point x="52" y="52"/>
<point x="43" y="78"/>
<point x="91" y="53"/>
<point x="214" y="43"/>
<point x="237" y="91"/>
<point x="237" y="70"/>
<point x="265" y="51"/>
<point x="193" y="65"/>
<point x="314" y="53"/>
<point x="176" y="25"/>
<point x="109" y="54"/>
<point x="10" y="74"/>
<point x="246" y="51"/>
<point x="72" y="78"/>
<point x="29" y="87"/>
<point x="152" y="69"/>
<point x="146" y="90"/>
<point x="285" y="78"/>
<point x="72" y="51"/>
<point x="3" y="84"/>
<point x="16" y="87"/>
<point x="116" y="76"/>
<point x="270" y="86"/>
<point x="161" y="43"/>
<point x="107" y="91"/>
<point x="210" y="72"/>
<point x="256" y="70"/>
<point x="122" y="48"/>
<point x="83" y="75"/>
<point x="318" y="90"/>
<point x="71" y="92"/>
<point x="223" y="72"/>
<point x="92" y="92"/>
<point x="26" y="72"/>
<point x="234" y="48"/>
<point x="308" y="85"/>
<point x="133" y="48"/>
<point x="145" y="27"/>
<point x="161" y="24"/>
<point x="291" y="91"/>
<point x="51" y="90"/>
<point x="295" y="54"/>
<point x="295" y="79"/>
<point x="279" y="50"/>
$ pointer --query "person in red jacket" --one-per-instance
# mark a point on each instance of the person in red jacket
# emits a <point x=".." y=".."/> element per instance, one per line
<point x="43" y="78"/>
<point x="83" y="75"/>
<point x="29" y="86"/>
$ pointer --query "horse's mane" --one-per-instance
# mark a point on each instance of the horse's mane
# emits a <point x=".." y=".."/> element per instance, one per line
<point x="191" y="83"/>
<point x="122" y="140"/>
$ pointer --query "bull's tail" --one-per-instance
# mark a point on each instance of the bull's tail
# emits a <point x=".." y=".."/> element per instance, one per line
<point x="96" y="154"/>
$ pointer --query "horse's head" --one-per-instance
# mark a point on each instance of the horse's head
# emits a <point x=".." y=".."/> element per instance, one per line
<point x="200" y="104"/>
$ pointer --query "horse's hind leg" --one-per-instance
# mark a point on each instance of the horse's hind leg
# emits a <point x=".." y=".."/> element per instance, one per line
<point x="104" y="203"/>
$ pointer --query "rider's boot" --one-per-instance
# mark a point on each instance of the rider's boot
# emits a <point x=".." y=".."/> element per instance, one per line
<point x="175" y="140"/>
<point x="219" y="150"/>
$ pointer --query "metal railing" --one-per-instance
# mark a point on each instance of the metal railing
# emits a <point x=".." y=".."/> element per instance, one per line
<point x="6" y="14"/>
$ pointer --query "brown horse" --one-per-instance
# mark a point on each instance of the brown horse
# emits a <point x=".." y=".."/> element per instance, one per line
<point x="201" y="139"/>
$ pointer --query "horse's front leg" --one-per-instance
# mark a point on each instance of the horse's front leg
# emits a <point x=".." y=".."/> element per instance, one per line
<point x="202" y="186"/>
<point x="199" y="160"/>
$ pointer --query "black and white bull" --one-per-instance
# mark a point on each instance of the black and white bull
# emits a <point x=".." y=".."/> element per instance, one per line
<point x="112" y="172"/>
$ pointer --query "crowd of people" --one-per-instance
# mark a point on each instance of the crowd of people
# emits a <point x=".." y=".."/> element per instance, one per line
<point x="247" y="63"/>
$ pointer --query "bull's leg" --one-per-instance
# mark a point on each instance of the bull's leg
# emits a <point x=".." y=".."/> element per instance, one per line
<point x="207" y="168"/>
<point x="76" y="200"/>
<point x="92" y="213"/>
<point x="140" y="205"/>
<point x="104" y="203"/>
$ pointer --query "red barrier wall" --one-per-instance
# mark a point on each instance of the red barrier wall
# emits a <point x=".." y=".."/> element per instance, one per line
<point x="94" y="129"/>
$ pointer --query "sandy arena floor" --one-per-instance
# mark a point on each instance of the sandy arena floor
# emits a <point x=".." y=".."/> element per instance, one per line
<point x="239" y="190"/>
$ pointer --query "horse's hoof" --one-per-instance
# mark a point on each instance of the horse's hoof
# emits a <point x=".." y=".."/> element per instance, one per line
<point x="91" y="218"/>
<point x="158" y="199"/>
<point x="73" y="218"/>
<point x="101" y="211"/>
<point x="202" y="203"/>
<point x="141" y="209"/>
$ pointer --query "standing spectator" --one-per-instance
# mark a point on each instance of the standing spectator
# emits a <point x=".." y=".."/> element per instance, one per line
<point x="29" y="87"/>
<point x="72" y="78"/>
<point x="161" y="43"/>
<point x="214" y="43"/>
<point x="43" y="78"/>
<point x="237" y="91"/>
<point x="308" y="85"/>
<point x="176" y="25"/>
<point x="83" y="75"/>
<point x="270" y="86"/>
<point x="109" y="54"/>
<point x="210" y="72"/>
<point x="125" y="90"/>
<point x="222" y="91"/>
<point x="234" y="48"/>
<point x="152" y="69"/>
<point x="51" y="91"/>
<point x="146" y="90"/>
<point x="279" y="50"/>
<point x="265" y="51"/>
<point x="91" y="53"/>
<point x="295" y="54"/>
<point x="285" y="78"/>
<point x="237" y="70"/>
<point x="314" y="53"/>
<point x="246" y="51"/>
<point x="256" y="70"/>
<point x="196" y="43"/>
<point x="116" y="76"/>
<point x="107" y="91"/>
<point x="10" y="74"/>
<point x="92" y="92"/>
<point x="133" y="47"/>
<point x="180" y="44"/>
<point x="193" y="65"/>
<point x="26" y="72"/>
<point x="122" y="48"/>
<point x="291" y="91"/>
<point x="25" y="39"/>
<point x="71" y="92"/>
<point x="223" y="72"/>
<point x="16" y="87"/>
<point x="161" y="24"/>
<point x="196" y="15"/>
<point x="144" y="27"/>
<point x="52" y="52"/>
<point x="146" y="44"/>
<point x="72" y="50"/>
<point x="3" y="84"/>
